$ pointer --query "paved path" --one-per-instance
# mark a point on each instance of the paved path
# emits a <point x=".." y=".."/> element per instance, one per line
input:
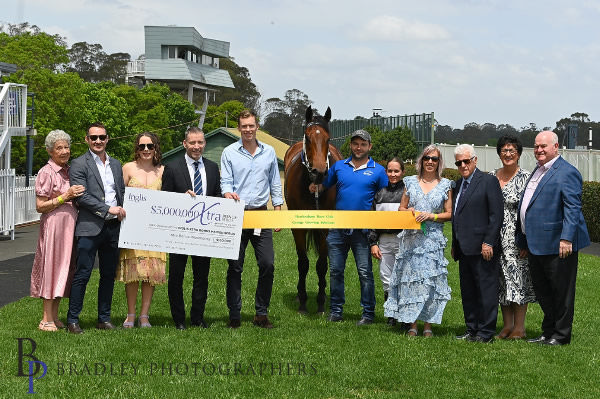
<point x="16" y="258"/>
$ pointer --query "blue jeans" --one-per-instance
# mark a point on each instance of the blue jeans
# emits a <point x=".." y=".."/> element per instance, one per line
<point x="339" y="242"/>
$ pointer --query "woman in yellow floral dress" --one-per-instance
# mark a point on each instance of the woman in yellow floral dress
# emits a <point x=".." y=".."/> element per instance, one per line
<point x="135" y="266"/>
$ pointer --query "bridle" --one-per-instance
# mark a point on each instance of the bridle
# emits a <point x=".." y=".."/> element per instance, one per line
<point x="306" y="163"/>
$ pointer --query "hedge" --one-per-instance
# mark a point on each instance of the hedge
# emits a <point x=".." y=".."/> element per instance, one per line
<point x="590" y="203"/>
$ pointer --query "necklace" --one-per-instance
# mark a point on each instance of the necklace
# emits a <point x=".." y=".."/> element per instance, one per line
<point x="428" y="182"/>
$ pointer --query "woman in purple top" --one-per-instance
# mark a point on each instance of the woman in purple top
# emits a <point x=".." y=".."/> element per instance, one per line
<point x="53" y="265"/>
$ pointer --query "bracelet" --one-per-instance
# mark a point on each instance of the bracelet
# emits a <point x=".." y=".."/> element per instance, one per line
<point x="435" y="215"/>
<point x="60" y="200"/>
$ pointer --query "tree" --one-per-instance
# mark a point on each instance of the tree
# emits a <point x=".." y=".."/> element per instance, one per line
<point x="528" y="133"/>
<point x="244" y="91"/>
<point x="58" y="99"/>
<point x="285" y="117"/>
<point x="94" y="65"/>
<point x="222" y="115"/>
<point x="28" y="48"/>
<point x="397" y="142"/>
<point x="114" y="67"/>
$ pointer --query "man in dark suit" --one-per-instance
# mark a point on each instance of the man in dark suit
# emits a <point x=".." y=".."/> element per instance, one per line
<point x="550" y="231"/>
<point x="477" y="216"/>
<point x="98" y="225"/>
<point x="194" y="175"/>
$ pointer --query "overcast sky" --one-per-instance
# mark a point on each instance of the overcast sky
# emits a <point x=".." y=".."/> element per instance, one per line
<point x="498" y="61"/>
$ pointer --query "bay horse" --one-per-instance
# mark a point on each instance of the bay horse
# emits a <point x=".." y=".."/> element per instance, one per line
<point x="306" y="162"/>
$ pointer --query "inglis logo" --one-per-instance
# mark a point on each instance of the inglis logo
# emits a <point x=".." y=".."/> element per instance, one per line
<point x="136" y="198"/>
<point x="200" y="211"/>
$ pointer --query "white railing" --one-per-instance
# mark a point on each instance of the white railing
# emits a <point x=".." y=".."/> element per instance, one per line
<point x="13" y="112"/>
<point x="7" y="202"/>
<point x="586" y="161"/>
<point x="25" y="211"/>
<point x="17" y="202"/>
<point x="136" y="67"/>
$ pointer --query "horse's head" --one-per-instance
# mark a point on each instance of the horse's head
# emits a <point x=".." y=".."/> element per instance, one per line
<point x="316" y="144"/>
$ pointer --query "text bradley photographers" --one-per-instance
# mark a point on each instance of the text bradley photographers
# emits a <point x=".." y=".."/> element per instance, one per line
<point x="192" y="369"/>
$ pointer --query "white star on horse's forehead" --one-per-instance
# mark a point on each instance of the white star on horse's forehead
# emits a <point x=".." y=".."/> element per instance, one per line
<point x="318" y="131"/>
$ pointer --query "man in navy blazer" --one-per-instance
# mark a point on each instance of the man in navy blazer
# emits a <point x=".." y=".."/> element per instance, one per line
<point x="195" y="175"/>
<point x="550" y="231"/>
<point x="98" y="225"/>
<point x="478" y="212"/>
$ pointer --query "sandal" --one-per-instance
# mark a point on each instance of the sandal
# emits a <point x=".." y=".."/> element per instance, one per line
<point x="59" y="324"/>
<point x="144" y="324"/>
<point x="129" y="324"/>
<point x="413" y="332"/>
<point x="427" y="333"/>
<point x="47" y="326"/>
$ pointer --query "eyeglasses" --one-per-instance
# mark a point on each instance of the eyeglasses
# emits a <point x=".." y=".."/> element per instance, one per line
<point x="149" y="146"/>
<point x="430" y="158"/>
<point x="508" y="151"/>
<point x="466" y="161"/>
<point x="95" y="137"/>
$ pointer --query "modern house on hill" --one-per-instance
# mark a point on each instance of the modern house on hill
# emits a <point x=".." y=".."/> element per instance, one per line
<point x="184" y="60"/>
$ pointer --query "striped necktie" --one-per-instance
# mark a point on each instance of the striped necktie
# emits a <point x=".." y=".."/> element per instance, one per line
<point x="197" y="179"/>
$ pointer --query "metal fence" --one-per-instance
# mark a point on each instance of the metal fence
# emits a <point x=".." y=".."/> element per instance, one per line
<point x="421" y="126"/>
<point x="7" y="202"/>
<point x="586" y="161"/>
<point x="17" y="202"/>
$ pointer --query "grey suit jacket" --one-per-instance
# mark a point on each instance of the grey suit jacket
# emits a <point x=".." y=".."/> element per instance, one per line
<point x="93" y="211"/>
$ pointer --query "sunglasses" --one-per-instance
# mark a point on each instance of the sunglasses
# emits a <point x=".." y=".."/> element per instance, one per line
<point x="430" y="158"/>
<point x="149" y="146"/>
<point x="95" y="137"/>
<point x="466" y="161"/>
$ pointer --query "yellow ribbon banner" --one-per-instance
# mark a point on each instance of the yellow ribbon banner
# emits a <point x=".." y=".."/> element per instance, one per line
<point x="330" y="220"/>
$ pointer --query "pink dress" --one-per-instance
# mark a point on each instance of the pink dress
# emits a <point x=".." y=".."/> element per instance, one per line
<point x="54" y="263"/>
<point x="139" y="265"/>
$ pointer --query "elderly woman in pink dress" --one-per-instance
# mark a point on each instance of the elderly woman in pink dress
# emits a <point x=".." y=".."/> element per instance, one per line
<point x="53" y="265"/>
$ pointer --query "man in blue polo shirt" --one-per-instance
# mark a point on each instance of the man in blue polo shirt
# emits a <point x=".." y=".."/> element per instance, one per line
<point x="356" y="179"/>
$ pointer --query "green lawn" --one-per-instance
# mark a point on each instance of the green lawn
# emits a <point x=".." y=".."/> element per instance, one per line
<point x="303" y="356"/>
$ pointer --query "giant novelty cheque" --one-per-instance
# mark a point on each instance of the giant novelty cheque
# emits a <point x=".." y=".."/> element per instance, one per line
<point x="179" y="223"/>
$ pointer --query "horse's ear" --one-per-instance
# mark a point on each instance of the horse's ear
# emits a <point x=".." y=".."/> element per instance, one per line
<point x="309" y="114"/>
<point x="328" y="114"/>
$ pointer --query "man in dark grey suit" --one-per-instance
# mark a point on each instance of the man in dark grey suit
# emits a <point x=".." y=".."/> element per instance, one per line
<point x="478" y="212"/>
<point x="194" y="175"/>
<point x="98" y="224"/>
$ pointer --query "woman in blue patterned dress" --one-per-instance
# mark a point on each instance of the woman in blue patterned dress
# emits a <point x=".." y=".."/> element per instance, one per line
<point x="419" y="285"/>
<point x="516" y="289"/>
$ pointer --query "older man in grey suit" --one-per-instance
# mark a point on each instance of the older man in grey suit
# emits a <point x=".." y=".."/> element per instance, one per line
<point x="98" y="224"/>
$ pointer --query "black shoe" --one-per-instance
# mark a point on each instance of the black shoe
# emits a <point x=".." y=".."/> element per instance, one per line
<point x="364" y="322"/>
<point x="199" y="323"/>
<point x="234" y="323"/>
<point x="105" y="325"/>
<point x="552" y="342"/>
<point x="180" y="326"/>
<point x="537" y="340"/>
<point x="465" y="337"/>
<point x="391" y="321"/>
<point x="74" y="328"/>
<point x="335" y="318"/>
<point x="482" y="340"/>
